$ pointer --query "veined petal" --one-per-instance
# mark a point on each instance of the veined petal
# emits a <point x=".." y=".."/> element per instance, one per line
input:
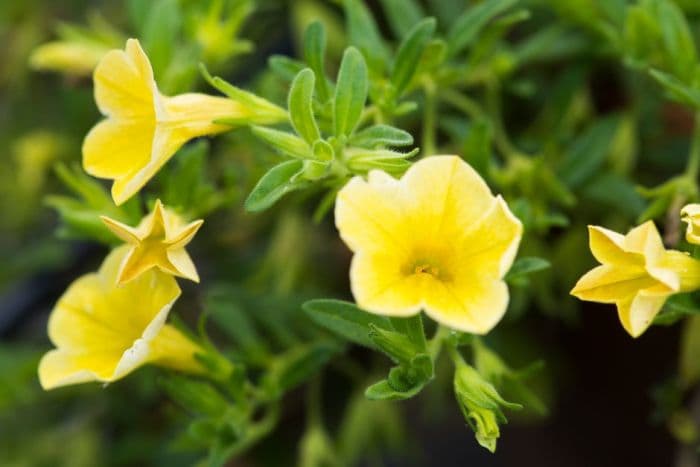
<point x="467" y="306"/>
<point x="380" y="286"/>
<point x="608" y="247"/>
<point x="368" y="214"/>
<point x="124" y="85"/>
<point x="638" y="312"/>
<point x="165" y="144"/>
<point x="645" y="239"/>
<point x="118" y="148"/>
<point x="445" y="196"/>
<point x="183" y="265"/>
<point x="608" y="284"/>
<point x="59" y="367"/>
<point x="489" y="247"/>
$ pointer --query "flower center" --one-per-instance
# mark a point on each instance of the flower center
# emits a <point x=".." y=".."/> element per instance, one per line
<point x="426" y="269"/>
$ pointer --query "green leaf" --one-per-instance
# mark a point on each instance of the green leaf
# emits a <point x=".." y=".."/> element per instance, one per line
<point x="286" y="143"/>
<point x="477" y="146"/>
<point x="346" y="320"/>
<point x="285" y="67"/>
<point x="350" y="92"/>
<point x="161" y="30"/>
<point x="409" y="54"/>
<point x="381" y="135"/>
<point x="382" y="391"/>
<point x="677" y="307"/>
<point x="300" y="106"/>
<point x="402" y="15"/>
<point x="587" y="154"/>
<point x="525" y="266"/>
<point x="677" y="90"/>
<point x="276" y="183"/>
<point x="472" y="21"/>
<point x="364" y="34"/>
<point x="677" y="37"/>
<point x="314" y="54"/>
<point x="298" y="365"/>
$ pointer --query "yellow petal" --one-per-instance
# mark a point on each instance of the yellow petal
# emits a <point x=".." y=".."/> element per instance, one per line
<point x="183" y="265"/>
<point x="368" y="214"/>
<point x="193" y="114"/>
<point x="118" y="148"/>
<point x="691" y="215"/>
<point x="123" y="231"/>
<point x="124" y="85"/>
<point x="61" y="368"/>
<point x="172" y="349"/>
<point x="379" y="285"/>
<point x="608" y="247"/>
<point x="645" y="239"/>
<point x="608" y="284"/>
<point x="637" y="313"/>
<point x="489" y="247"/>
<point x="467" y="305"/>
<point x="445" y="196"/>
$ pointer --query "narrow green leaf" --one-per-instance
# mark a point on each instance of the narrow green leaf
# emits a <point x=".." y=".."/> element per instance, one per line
<point x="677" y="90"/>
<point x="409" y="54"/>
<point x="526" y="265"/>
<point x="350" y="92"/>
<point x="677" y="37"/>
<point x="402" y="15"/>
<point x="300" y="106"/>
<point x="346" y="320"/>
<point x="588" y="152"/>
<point x="276" y="183"/>
<point x="477" y="146"/>
<point x="381" y="135"/>
<point x="314" y="54"/>
<point x="364" y="34"/>
<point x="472" y="21"/>
<point x="285" y="67"/>
<point x="286" y="143"/>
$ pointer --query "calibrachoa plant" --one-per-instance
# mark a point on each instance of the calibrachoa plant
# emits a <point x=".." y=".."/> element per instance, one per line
<point x="405" y="144"/>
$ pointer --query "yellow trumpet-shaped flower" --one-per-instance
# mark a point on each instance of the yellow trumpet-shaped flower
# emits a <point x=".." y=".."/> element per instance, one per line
<point x="144" y="128"/>
<point x="691" y="215"/>
<point x="158" y="242"/>
<point x="637" y="274"/>
<point x="436" y="239"/>
<point x="103" y="332"/>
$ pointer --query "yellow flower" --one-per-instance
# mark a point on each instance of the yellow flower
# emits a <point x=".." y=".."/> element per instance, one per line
<point x="637" y="274"/>
<point x="436" y="239"/>
<point x="103" y="332"/>
<point x="73" y="58"/>
<point x="158" y="242"/>
<point x="144" y="128"/>
<point x="691" y="215"/>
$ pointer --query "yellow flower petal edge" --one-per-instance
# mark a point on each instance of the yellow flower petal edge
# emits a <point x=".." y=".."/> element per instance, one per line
<point x="103" y="332"/>
<point x="144" y="128"/>
<point x="637" y="274"/>
<point x="157" y="242"/>
<point x="436" y="240"/>
<point x="690" y="214"/>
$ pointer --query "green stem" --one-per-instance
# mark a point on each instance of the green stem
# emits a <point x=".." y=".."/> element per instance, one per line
<point x="314" y="402"/>
<point x="693" y="167"/>
<point x="436" y="343"/>
<point x="429" y="119"/>
<point x="493" y="104"/>
<point x="463" y="103"/>
<point x="255" y="433"/>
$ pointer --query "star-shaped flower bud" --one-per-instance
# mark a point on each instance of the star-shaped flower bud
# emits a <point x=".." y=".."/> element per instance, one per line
<point x="157" y="242"/>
